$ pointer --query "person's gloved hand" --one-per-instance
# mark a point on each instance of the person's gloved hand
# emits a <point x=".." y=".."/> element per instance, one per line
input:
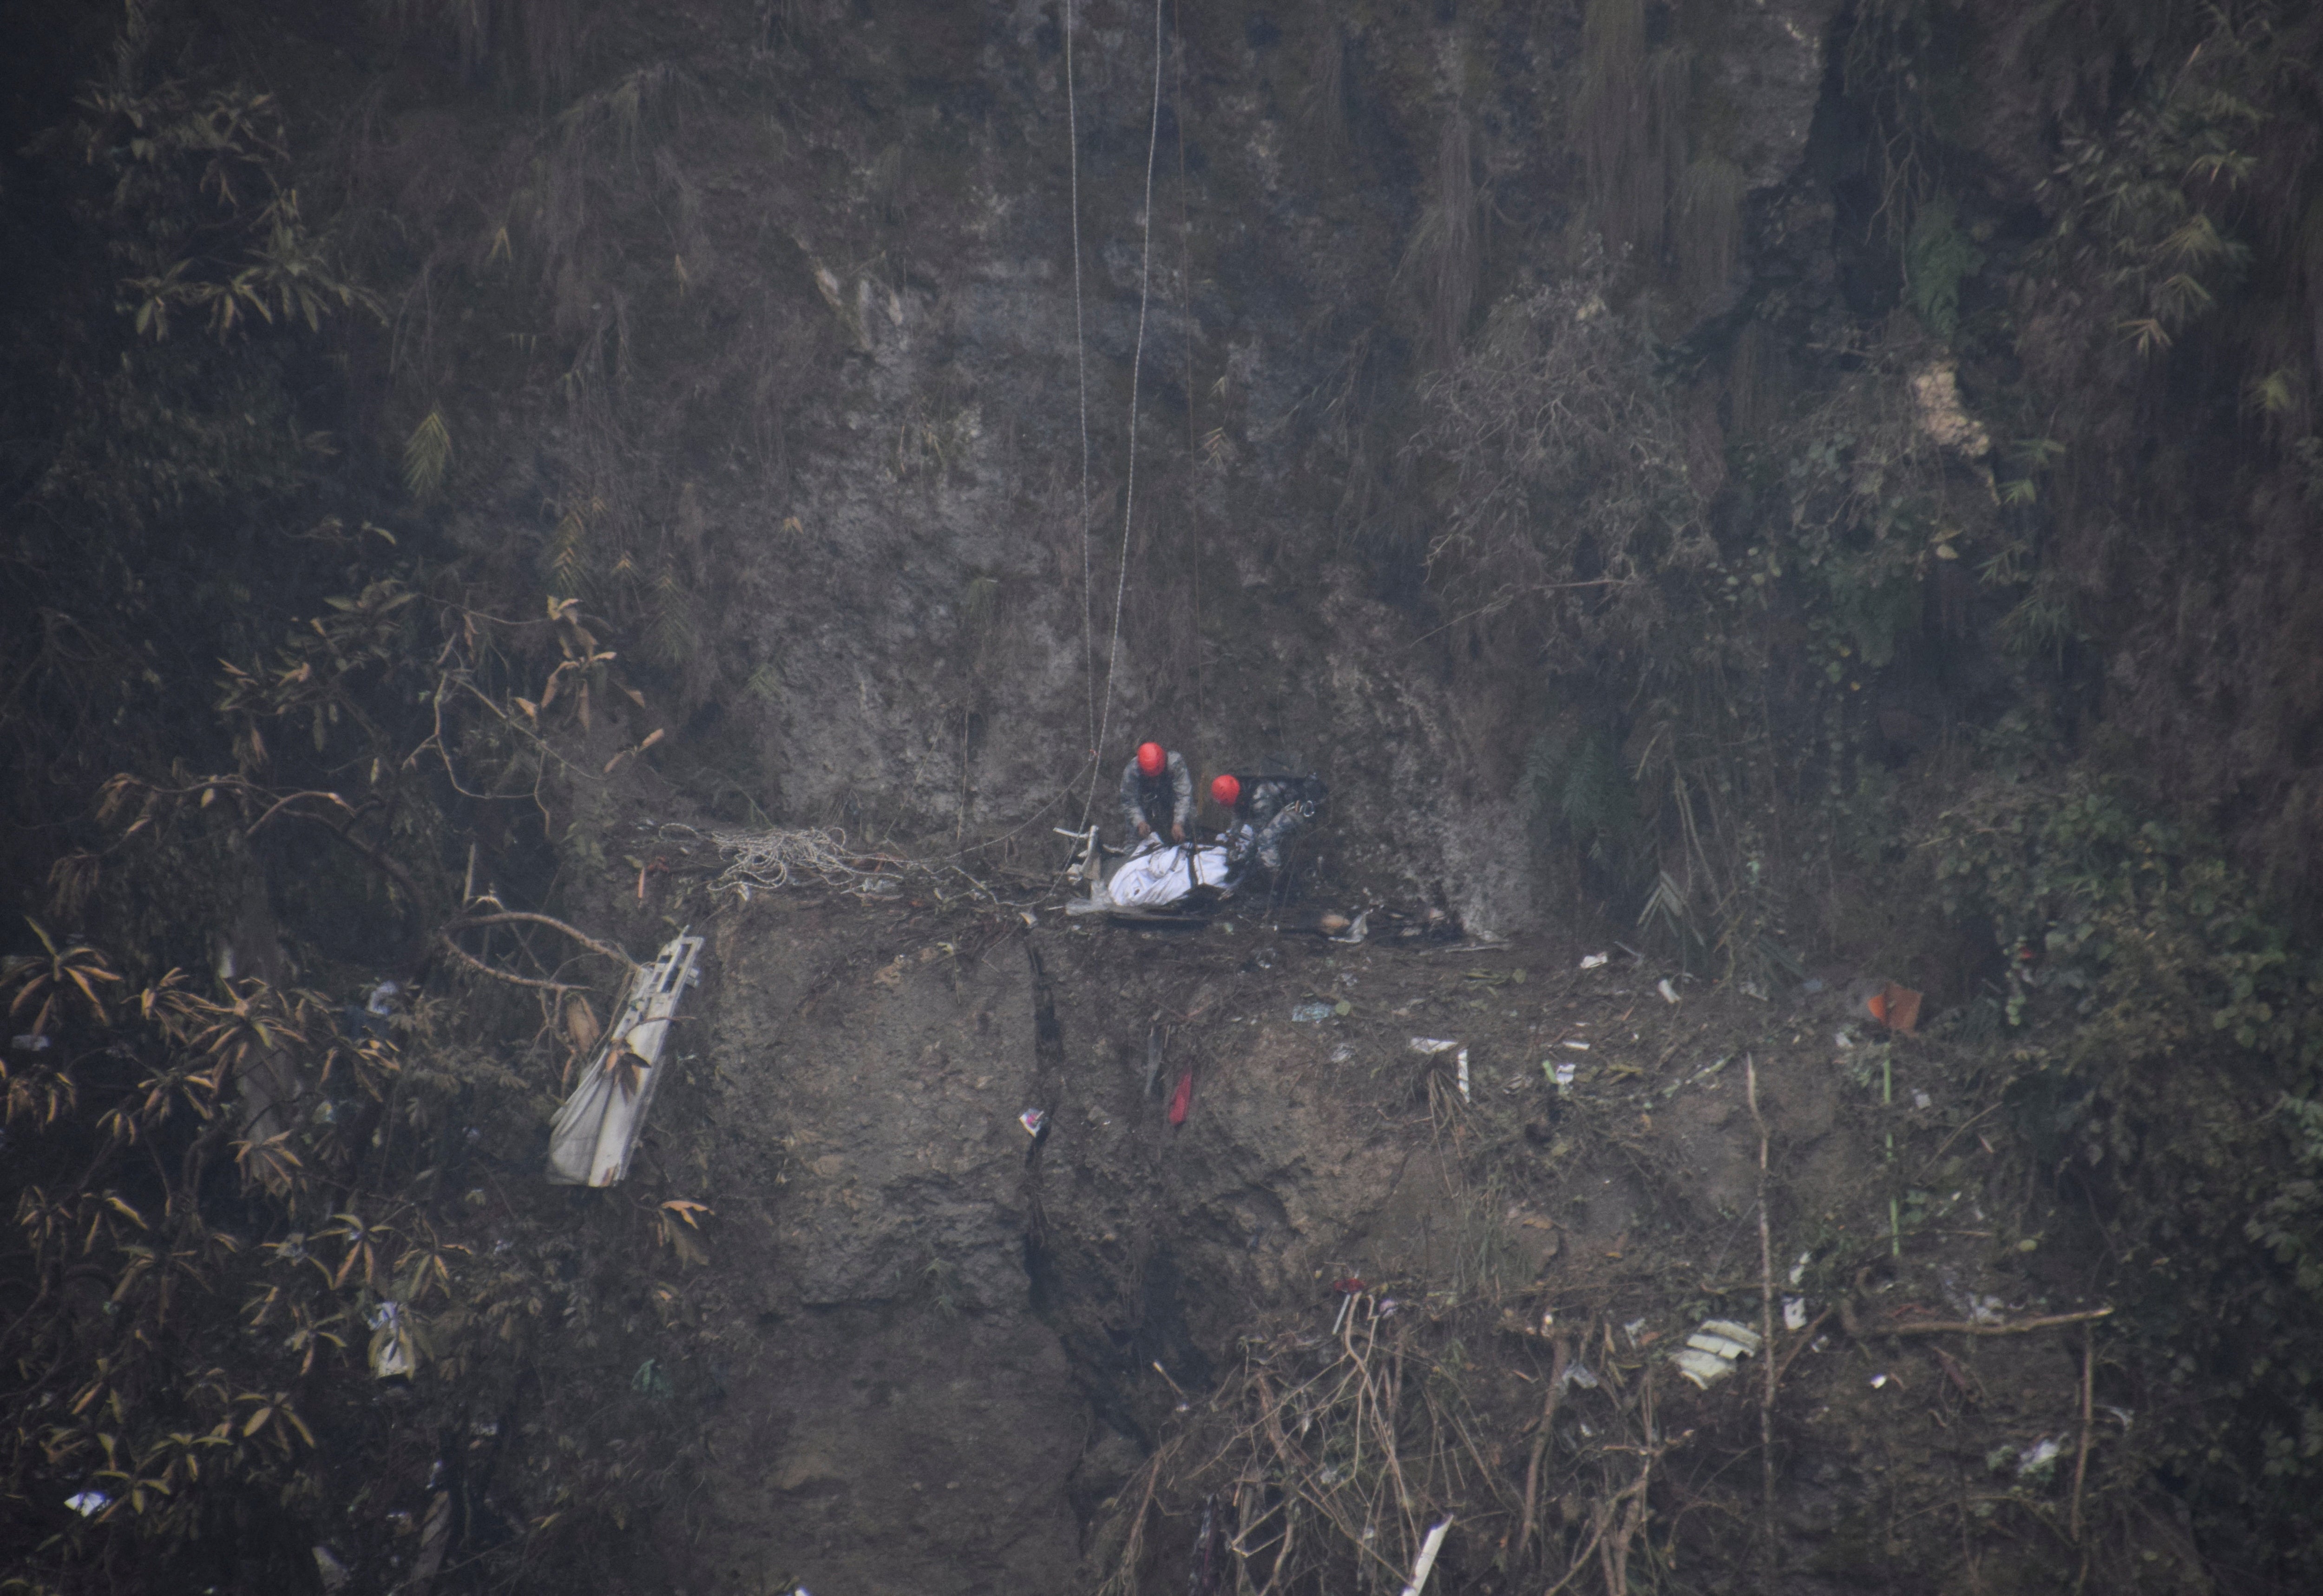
<point x="1176" y="834"/>
<point x="1144" y="829"/>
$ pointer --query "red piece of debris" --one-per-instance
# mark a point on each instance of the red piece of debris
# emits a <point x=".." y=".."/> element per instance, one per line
<point x="1183" y="1099"/>
<point x="1896" y="1007"/>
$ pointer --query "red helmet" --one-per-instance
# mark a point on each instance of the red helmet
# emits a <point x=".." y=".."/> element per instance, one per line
<point x="1225" y="790"/>
<point x="1151" y="758"/>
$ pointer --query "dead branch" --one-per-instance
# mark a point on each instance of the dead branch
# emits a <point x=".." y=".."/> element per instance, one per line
<point x="1560" y="1354"/>
<point x="510" y="916"/>
<point x="1970" y="1327"/>
<point x="2082" y="1459"/>
<point x="481" y="969"/>
<point x="1767" y="1335"/>
<point x="289" y="798"/>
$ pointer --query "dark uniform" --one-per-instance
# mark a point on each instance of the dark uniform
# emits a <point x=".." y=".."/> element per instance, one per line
<point x="1269" y="813"/>
<point x="1161" y="802"/>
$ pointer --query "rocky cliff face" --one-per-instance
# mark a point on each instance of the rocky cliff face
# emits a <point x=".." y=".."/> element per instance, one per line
<point x="833" y="386"/>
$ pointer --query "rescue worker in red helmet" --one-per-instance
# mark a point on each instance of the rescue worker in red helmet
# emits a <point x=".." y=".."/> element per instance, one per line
<point x="1269" y="810"/>
<point x="1157" y="790"/>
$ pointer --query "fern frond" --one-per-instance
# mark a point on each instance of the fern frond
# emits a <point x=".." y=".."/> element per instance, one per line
<point x="427" y="456"/>
<point x="671" y="638"/>
<point x="568" y="555"/>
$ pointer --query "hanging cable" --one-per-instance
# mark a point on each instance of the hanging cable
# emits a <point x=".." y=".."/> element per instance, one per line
<point x="1185" y="308"/>
<point x="1136" y="366"/>
<point x="1081" y="360"/>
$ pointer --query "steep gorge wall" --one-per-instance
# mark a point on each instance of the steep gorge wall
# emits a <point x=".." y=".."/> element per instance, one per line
<point x="824" y="390"/>
<point x="751" y="330"/>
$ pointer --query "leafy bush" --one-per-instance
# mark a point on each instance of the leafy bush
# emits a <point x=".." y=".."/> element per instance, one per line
<point x="2165" y="1053"/>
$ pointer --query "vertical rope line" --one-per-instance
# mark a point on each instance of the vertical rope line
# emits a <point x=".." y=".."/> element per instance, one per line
<point x="1186" y="295"/>
<point x="1081" y="360"/>
<point x="1136" y="368"/>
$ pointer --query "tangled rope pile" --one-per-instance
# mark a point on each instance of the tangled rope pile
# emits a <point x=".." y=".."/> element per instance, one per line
<point x="770" y="860"/>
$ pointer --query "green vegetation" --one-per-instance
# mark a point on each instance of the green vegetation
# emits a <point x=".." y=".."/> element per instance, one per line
<point x="280" y="1273"/>
<point x="1989" y="633"/>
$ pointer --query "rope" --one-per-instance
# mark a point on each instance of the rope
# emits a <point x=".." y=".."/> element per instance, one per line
<point x="1136" y="370"/>
<point x="1081" y="359"/>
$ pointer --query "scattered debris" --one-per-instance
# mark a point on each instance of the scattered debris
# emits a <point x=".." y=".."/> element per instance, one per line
<point x="1878" y="1381"/>
<point x="1799" y="1269"/>
<point x="1794" y="1313"/>
<point x="2036" y="1459"/>
<point x="1460" y="1062"/>
<point x="37" y="1043"/>
<point x="1032" y="1119"/>
<point x="89" y="1504"/>
<point x="1355" y="934"/>
<point x="1152" y="1060"/>
<point x="1342" y="1054"/>
<point x="390" y="1341"/>
<point x="1560" y="1075"/>
<point x="1668" y="992"/>
<point x="1430" y="1046"/>
<point x="1181" y="1102"/>
<point x="435" y="1537"/>
<point x="1578" y="1047"/>
<point x="1811" y="986"/>
<point x="1704" y="1073"/>
<point x="1316" y="1012"/>
<point x="1920" y="1100"/>
<point x="1591" y="961"/>
<point x="1578" y="1373"/>
<point x="1089" y="856"/>
<point x="1425" y="1562"/>
<point x="334" y="1572"/>
<point x="596" y="1131"/>
<point x="1208" y="1537"/>
<point x="1708" y="1353"/>
<point x="1896" y="1007"/>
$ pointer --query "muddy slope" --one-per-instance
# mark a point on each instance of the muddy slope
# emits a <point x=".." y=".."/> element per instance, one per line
<point x="952" y="1350"/>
